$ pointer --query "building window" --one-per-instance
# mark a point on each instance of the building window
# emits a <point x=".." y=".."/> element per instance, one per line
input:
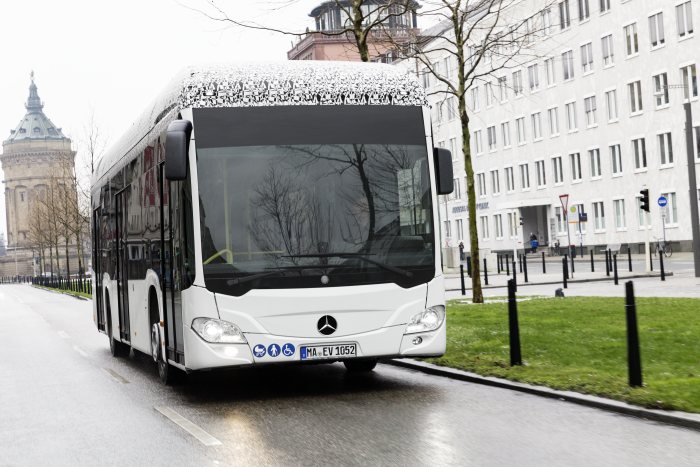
<point x="484" y="227"/>
<point x="631" y="42"/>
<point x="491" y="136"/>
<point x="690" y="81"/>
<point x="533" y="77"/>
<point x="697" y="142"/>
<point x="580" y="210"/>
<point x="460" y="229"/>
<point x="567" y="61"/>
<point x="510" y="179"/>
<point x="505" y="134"/>
<point x="21" y="196"/>
<point x="639" y="146"/>
<point x="518" y="83"/>
<point x="665" y="148"/>
<point x="604" y="6"/>
<point x="661" y="89"/>
<point x="620" y="222"/>
<point x="599" y="215"/>
<point x="502" y="89"/>
<point x="495" y="182"/>
<point x="457" y="192"/>
<point x="520" y="128"/>
<point x="616" y="159"/>
<point x="498" y="226"/>
<point x="561" y="222"/>
<point x="594" y="157"/>
<point x="536" y="125"/>
<point x="549" y="71"/>
<point x="478" y="148"/>
<point x="558" y="170"/>
<point x="451" y="108"/>
<point x="564" y="14"/>
<point x="590" y="107"/>
<point x="656" y="30"/>
<point x="571" y="123"/>
<point x="684" y="19"/>
<point x="488" y="90"/>
<point x="584" y="11"/>
<point x="454" y="150"/>
<point x="553" y="116"/>
<point x="611" y="104"/>
<point x="525" y="176"/>
<point x="575" y="160"/>
<point x="541" y="174"/>
<point x="481" y="184"/>
<point x="608" y="51"/>
<point x="670" y="213"/>
<point x="634" y="90"/>
<point x="448" y="229"/>
<point x="475" y="98"/>
<point x="643" y="217"/>
<point x="512" y="225"/>
<point x="587" y="57"/>
<point x="546" y="21"/>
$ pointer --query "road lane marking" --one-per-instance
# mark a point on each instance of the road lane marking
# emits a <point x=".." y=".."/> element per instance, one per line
<point x="116" y="376"/>
<point x="80" y="351"/>
<point x="63" y="334"/>
<point x="204" y="437"/>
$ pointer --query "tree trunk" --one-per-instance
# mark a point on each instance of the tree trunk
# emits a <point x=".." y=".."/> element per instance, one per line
<point x="477" y="294"/>
<point x="358" y="30"/>
<point x="67" y="260"/>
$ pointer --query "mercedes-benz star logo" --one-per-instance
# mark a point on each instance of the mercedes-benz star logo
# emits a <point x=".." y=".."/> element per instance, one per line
<point x="327" y="325"/>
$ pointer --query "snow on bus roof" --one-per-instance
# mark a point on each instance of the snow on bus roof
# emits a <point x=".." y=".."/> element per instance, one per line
<point x="269" y="84"/>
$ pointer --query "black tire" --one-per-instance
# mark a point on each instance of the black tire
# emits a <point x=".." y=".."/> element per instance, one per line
<point x="167" y="373"/>
<point x="360" y="366"/>
<point x="116" y="348"/>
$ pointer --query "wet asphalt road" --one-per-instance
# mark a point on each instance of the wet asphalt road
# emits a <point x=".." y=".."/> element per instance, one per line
<point x="65" y="401"/>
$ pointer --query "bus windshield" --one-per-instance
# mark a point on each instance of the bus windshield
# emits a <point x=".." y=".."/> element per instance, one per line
<point x="315" y="215"/>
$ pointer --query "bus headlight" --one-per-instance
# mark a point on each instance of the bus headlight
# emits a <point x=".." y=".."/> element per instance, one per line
<point x="428" y="320"/>
<point x="217" y="331"/>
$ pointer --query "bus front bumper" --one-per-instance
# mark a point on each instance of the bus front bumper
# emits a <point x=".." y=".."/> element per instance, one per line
<point x="382" y="343"/>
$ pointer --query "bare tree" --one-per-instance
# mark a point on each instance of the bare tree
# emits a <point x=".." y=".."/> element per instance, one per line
<point x="363" y="22"/>
<point x="480" y="38"/>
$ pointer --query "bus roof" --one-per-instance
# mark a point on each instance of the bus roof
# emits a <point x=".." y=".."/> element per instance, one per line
<point x="267" y="84"/>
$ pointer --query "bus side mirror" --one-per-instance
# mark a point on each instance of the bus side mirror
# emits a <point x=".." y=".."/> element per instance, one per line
<point x="177" y="145"/>
<point x="443" y="171"/>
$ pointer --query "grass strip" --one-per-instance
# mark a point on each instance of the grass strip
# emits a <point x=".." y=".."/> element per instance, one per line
<point x="67" y="292"/>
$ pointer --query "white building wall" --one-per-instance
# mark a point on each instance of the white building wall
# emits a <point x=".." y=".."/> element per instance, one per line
<point x="537" y="205"/>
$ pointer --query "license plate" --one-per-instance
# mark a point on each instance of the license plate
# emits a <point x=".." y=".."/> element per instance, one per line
<point x="317" y="352"/>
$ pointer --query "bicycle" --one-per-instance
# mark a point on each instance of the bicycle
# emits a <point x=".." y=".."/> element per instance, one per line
<point x="664" y="247"/>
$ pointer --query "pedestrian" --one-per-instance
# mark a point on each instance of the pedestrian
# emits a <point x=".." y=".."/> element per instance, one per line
<point x="461" y="251"/>
<point x="533" y="242"/>
<point x="556" y="247"/>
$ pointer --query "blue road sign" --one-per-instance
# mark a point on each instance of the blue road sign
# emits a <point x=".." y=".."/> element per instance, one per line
<point x="288" y="350"/>
<point x="273" y="350"/>
<point x="663" y="201"/>
<point x="259" y="351"/>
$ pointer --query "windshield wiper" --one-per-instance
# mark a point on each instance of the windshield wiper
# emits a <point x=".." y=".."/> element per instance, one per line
<point x="360" y="256"/>
<point x="252" y="277"/>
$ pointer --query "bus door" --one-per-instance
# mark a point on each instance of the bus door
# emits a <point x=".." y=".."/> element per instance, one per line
<point x="172" y="281"/>
<point x="97" y="265"/>
<point x="122" y="263"/>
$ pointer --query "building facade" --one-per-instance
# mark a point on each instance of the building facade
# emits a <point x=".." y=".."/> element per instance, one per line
<point x="328" y="42"/>
<point x="595" y="114"/>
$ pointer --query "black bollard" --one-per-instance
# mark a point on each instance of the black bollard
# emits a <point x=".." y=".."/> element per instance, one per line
<point x="469" y="266"/>
<point x="592" y="264"/>
<point x="615" y="268"/>
<point x="520" y="263"/>
<point x="544" y="267"/>
<point x="607" y="264"/>
<point x="507" y="266"/>
<point x="651" y="262"/>
<point x="634" y="360"/>
<point x="565" y="270"/>
<point x="486" y="274"/>
<point x="573" y="251"/>
<point x="515" y="276"/>
<point x="525" y="268"/>
<point x="629" y="258"/>
<point x="498" y="264"/>
<point x="513" y="327"/>
<point x="461" y="275"/>
<point x="661" y="266"/>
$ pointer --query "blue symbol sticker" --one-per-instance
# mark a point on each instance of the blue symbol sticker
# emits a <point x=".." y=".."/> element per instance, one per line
<point x="259" y="351"/>
<point x="273" y="350"/>
<point x="302" y="353"/>
<point x="663" y="201"/>
<point x="288" y="350"/>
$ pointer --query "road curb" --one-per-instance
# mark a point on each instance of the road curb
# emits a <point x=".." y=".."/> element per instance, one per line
<point x="569" y="281"/>
<point x="680" y="419"/>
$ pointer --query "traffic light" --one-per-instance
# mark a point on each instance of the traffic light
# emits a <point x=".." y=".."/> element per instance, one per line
<point x="644" y="200"/>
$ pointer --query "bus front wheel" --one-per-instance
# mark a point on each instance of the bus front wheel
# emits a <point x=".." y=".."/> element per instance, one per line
<point x="167" y="374"/>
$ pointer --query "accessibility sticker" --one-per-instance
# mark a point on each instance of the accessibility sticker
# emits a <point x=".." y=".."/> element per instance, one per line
<point x="288" y="350"/>
<point x="259" y="351"/>
<point x="273" y="350"/>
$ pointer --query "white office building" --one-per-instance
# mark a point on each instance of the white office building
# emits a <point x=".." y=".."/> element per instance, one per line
<point x="590" y="117"/>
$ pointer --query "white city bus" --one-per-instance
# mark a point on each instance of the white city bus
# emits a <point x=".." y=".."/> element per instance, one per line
<point x="276" y="213"/>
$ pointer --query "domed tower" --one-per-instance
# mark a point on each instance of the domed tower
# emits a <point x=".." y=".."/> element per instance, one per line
<point x="36" y="153"/>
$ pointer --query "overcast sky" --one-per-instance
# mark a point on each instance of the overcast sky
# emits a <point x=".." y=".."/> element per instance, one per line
<point x="114" y="56"/>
